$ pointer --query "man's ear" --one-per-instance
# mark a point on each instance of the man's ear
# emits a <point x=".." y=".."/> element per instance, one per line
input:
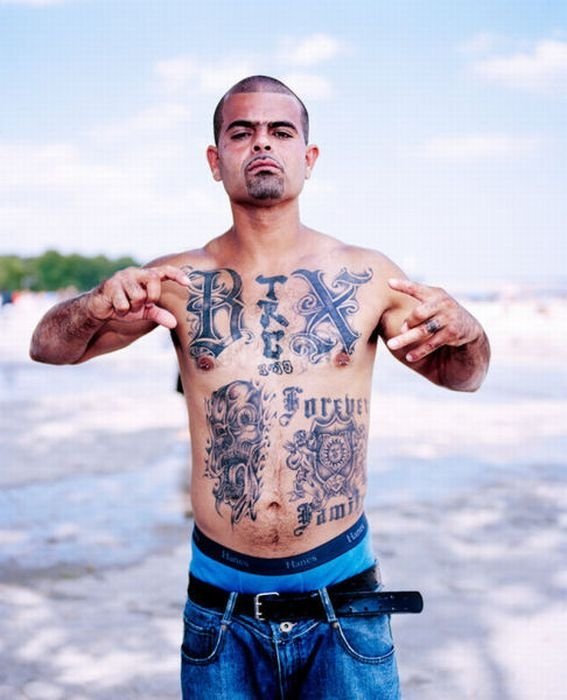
<point x="213" y="159"/>
<point x="311" y="155"/>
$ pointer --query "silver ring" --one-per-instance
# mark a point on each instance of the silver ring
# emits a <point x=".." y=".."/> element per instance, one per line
<point x="432" y="326"/>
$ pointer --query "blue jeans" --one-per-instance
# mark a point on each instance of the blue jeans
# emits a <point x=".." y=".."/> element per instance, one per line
<point x="235" y="656"/>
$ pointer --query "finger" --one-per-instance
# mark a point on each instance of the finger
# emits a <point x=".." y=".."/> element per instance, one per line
<point x="119" y="300"/>
<point x="413" y="289"/>
<point x="153" y="288"/>
<point x="422" y="312"/>
<point x="136" y="291"/>
<point x="170" y="272"/>
<point x="160" y="316"/>
<point x="416" y="334"/>
<point x="432" y="344"/>
<point x="146" y="284"/>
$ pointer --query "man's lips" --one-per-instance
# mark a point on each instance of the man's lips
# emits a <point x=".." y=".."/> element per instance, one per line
<point x="263" y="163"/>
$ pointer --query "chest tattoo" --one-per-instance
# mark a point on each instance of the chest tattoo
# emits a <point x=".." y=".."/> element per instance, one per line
<point x="270" y="317"/>
<point x="216" y="308"/>
<point x="216" y="315"/>
<point x="326" y="310"/>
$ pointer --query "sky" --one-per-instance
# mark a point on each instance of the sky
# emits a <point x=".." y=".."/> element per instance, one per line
<point x="442" y="125"/>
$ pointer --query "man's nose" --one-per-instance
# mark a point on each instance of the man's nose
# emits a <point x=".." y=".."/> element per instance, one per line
<point x="262" y="143"/>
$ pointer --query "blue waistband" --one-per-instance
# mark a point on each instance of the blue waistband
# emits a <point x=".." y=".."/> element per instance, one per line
<point x="345" y="555"/>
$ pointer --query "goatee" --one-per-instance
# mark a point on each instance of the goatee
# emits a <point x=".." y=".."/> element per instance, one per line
<point x="265" y="186"/>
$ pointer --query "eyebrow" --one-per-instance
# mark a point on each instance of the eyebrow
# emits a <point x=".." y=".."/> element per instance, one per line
<point x="251" y="125"/>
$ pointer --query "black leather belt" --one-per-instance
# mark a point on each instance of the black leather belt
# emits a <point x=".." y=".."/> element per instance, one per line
<point x="350" y="598"/>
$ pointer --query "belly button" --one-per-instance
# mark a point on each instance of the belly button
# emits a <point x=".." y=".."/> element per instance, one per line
<point x="342" y="359"/>
<point x="205" y="363"/>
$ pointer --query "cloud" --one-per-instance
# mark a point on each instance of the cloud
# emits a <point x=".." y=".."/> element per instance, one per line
<point x="475" y="147"/>
<point x="56" y="166"/>
<point x="481" y="43"/>
<point x="142" y="199"/>
<point x="543" y="68"/>
<point x="115" y="186"/>
<point x="183" y="74"/>
<point x="308" y="86"/>
<point x="161" y="119"/>
<point x="175" y="74"/>
<point x="309" y="51"/>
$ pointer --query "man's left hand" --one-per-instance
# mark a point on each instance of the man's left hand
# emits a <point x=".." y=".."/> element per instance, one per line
<point x="436" y="321"/>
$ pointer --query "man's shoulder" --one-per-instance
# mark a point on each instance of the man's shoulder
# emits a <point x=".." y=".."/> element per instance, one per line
<point x="353" y="255"/>
<point x="184" y="259"/>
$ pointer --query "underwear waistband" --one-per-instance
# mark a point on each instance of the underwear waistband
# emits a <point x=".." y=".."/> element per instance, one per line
<point x="283" y="565"/>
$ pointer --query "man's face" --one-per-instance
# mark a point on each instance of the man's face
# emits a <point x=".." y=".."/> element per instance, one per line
<point x="261" y="156"/>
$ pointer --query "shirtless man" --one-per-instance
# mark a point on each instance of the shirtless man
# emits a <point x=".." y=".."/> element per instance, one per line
<point x="276" y="326"/>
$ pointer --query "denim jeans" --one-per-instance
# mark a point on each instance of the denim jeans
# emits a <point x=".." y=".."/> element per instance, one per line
<point x="234" y="656"/>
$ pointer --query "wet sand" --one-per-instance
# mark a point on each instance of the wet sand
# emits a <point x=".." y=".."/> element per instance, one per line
<point x="467" y="501"/>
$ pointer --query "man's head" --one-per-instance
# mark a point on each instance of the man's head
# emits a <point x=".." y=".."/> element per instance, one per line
<point x="261" y="153"/>
<point x="259" y="83"/>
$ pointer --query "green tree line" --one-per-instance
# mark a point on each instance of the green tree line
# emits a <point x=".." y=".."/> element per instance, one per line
<point x="51" y="271"/>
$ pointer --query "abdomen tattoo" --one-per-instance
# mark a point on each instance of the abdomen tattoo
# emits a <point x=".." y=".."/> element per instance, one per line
<point x="238" y="421"/>
<point x="328" y="460"/>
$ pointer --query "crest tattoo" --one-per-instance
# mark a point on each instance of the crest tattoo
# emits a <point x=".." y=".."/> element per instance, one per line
<point x="328" y="461"/>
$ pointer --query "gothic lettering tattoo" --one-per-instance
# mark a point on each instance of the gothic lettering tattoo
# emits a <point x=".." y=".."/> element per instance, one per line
<point x="326" y="310"/>
<point x="238" y="421"/>
<point x="270" y="316"/>
<point x="215" y="303"/>
<point x="329" y="463"/>
<point x="291" y="403"/>
<point x="323" y="406"/>
<point x="305" y="512"/>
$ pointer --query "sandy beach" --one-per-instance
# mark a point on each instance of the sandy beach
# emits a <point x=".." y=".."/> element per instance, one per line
<point x="467" y="502"/>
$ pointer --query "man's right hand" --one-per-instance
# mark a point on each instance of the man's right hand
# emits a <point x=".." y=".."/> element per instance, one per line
<point x="133" y="294"/>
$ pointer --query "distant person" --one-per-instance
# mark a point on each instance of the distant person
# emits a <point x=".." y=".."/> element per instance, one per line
<point x="276" y="326"/>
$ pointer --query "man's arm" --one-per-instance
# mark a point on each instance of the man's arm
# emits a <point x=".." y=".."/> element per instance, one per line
<point x="436" y="336"/>
<point x="108" y="318"/>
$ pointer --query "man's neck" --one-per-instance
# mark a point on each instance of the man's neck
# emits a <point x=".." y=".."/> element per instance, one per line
<point x="269" y="232"/>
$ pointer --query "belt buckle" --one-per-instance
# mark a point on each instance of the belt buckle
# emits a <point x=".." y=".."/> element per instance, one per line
<point x="258" y="602"/>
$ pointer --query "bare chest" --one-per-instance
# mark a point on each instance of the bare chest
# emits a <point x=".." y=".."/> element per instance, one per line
<point x="275" y="324"/>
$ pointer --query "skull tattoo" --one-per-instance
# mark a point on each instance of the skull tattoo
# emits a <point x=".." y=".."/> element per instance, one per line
<point x="237" y="420"/>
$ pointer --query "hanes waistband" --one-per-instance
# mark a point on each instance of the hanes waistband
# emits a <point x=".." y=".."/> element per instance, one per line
<point x="279" y="566"/>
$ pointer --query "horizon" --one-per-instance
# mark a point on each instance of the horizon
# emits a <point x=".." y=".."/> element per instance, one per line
<point x="482" y="287"/>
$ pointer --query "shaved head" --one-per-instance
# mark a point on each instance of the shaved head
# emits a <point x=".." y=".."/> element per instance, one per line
<point x="259" y="83"/>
